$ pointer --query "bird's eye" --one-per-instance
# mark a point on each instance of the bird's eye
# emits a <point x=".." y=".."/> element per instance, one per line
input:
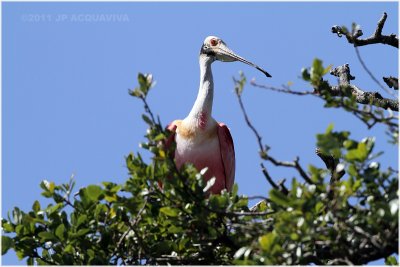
<point x="205" y="47"/>
<point x="213" y="42"/>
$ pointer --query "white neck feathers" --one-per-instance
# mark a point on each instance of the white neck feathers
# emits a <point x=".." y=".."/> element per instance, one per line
<point x="202" y="107"/>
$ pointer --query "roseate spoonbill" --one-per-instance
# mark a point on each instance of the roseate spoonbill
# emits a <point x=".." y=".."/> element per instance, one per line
<point x="199" y="139"/>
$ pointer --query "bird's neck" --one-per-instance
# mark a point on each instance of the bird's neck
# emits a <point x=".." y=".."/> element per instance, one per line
<point x="202" y="108"/>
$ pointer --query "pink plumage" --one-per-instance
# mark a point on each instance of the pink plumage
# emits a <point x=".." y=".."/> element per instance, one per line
<point x="220" y="159"/>
<point x="199" y="139"/>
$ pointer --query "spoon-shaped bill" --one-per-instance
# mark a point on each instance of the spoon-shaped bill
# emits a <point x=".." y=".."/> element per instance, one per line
<point x="227" y="55"/>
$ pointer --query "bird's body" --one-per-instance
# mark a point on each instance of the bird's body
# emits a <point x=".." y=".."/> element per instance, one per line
<point x="200" y="140"/>
<point x="206" y="149"/>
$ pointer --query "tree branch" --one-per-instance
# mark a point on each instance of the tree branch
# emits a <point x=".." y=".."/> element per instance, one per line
<point x="264" y="150"/>
<point x="375" y="38"/>
<point x="246" y="118"/>
<point x="268" y="177"/>
<point x="362" y="97"/>
<point x="359" y="113"/>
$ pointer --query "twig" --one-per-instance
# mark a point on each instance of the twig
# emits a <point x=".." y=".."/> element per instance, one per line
<point x="281" y="90"/>
<point x="282" y="187"/>
<point x="370" y="73"/>
<point x="356" y="112"/>
<point x="246" y="117"/>
<point x="301" y="171"/>
<point x="148" y="110"/>
<point x="374" y="98"/>
<point x="361" y="96"/>
<point x="268" y="177"/>
<point x="375" y="38"/>
<point x="264" y="151"/>
<point x="131" y="226"/>
<point x="291" y="164"/>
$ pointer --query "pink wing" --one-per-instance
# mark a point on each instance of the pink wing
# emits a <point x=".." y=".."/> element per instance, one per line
<point x="227" y="154"/>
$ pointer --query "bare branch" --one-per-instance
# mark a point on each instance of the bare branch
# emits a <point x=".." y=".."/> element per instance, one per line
<point x="367" y="111"/>
<point x="344" y="75"/>
<point x="282" y="186"/>
<point x="246" y="117"/>
<point x="375" y="38"/>
<point x="281" y="90"/>
<point x="264" y="150"/>
<point x="301" y="171"/>
<point x="291" y="164"/>
<point x="362" y="97"/>
<point x="268" y="177"/>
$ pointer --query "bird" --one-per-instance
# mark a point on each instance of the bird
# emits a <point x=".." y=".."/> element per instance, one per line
<point x="199" y="138"/>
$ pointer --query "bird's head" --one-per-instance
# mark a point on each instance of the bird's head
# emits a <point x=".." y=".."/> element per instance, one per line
<point x="216" y="49"/>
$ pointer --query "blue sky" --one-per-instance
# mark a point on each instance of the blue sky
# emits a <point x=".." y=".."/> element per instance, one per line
<point x="65" y="103"/>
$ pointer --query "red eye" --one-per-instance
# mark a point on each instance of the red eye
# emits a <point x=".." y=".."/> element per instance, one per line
<point x="213" y="42"/>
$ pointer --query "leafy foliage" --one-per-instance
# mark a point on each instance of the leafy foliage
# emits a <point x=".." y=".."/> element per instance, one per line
<point x="162" y="215"/>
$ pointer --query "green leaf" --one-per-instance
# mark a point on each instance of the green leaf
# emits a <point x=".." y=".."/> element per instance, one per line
<point x="171" y="212"/>
<point x="21" y="255"/>
<point x="69" y="249"/>
<point x="267" y="241"/>
<point x="239" y="84"/>
<point x="82" y="232"/>
<point x="316" y="71"/>
<point x="30" y="261"/>
<point x="147" y="119"/>
<point x="47" y="236"/>
<point x="8" y="227"/>
<point x="358" y="154"/>
<point x="52" y="209"/>
<point x="318" y="207"/>
<point x="81" y="219"/>
<point x="6" y="244"/>
<point x="278" y="197"/>
<point x="36" y="206"/>
<point x="136" y="92"/>
<point x="294" y="236"/>
<point x="391" y="260"/>
<point x="305" y="74"/>
<point x="94" y="191"/>
<point x="91" y="253"/>
<point x="60" y="232"/>
<point x="145" y="82"/>
<point x="174" y="229"/>
<point x="327" y="69"/>
<point x="329" y="129"/>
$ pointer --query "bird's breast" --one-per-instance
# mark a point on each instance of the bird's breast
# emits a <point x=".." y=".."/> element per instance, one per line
<point x="201" y="148"/>
<point x="194" y="143"/>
